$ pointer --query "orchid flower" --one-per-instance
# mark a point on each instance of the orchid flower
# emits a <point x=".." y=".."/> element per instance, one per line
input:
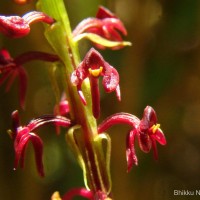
<point x="11" y="68"/>
<point x="93" y="66"/>
<point x="16" y="26"/>
<point x="22" y="135"/>
<point x="146" y="130"/>
<point x="104" y="30"/>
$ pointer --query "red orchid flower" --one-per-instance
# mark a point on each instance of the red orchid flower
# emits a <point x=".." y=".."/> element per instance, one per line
<point x="146" y="130"/>
<point x="22" y="135"/>
<point x="16" y="26"/>
<point x="11" y="68"/>
<point x="106" y="25"/>
<point x="93" y="66"/>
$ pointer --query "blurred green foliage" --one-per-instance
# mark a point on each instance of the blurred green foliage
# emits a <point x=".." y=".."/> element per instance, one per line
<point x="161" y="69"/>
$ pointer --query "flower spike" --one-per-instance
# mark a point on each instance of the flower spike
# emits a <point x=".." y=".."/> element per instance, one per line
<point x="106" y="27"/>
<point x="10" y="68"/>
<point x="22" y="135"/>
<point x="93" y="66"/>
<point x="146" y="130"/>
<point x="16" y="26"/>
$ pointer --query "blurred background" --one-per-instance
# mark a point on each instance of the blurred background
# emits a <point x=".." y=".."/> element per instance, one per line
<point x="161" y="69"/>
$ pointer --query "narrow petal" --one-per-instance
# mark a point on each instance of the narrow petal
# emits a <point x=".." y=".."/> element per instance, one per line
<point x="38" y="149"/>
<point x="86" y="25"/>
<point x="20" y="144"/>
<point x="114" y="25"/>
<point x="48" y="119"/>
<point x="159" y="137"/>
<point x="35" y="16"/>
<point x="118" y="93"/>
<point x="12" y="75"/>
<point x="130" y="150"/>
<point x="20" y="151"/>
<point x="5" y="76"/>
<point x="104" y="13"/>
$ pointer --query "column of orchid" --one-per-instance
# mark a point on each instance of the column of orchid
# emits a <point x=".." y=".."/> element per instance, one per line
<point x="79" y="106"/>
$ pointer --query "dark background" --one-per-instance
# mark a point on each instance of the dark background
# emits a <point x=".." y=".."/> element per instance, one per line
<point x="161" y="69"/>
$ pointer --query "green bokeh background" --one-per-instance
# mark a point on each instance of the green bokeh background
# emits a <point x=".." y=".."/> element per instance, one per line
<point x="161" y="69"/>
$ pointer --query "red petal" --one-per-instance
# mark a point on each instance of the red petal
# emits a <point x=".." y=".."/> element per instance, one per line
<point x="104" y="13"/>
<point x="130" y="150"/>
<point x="159" y="137"/>
<point x="144" y="142"/>
<point x="110" y="79"/>
<point x="38" y="148"/>
<point x="14" y="26"/>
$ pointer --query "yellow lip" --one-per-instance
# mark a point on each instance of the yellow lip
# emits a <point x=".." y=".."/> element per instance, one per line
<point x="95" y="72"/>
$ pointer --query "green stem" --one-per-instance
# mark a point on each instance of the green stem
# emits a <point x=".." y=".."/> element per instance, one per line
<point x="59" y="36"/>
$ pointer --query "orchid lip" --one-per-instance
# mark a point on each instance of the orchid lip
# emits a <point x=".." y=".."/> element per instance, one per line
<point x="95" y="72"/>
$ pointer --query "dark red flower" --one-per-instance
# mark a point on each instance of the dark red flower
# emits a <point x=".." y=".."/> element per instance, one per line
<point x="93" y="66"/>
<point x="146" y="130"/>
<point x="22" y="135"/>
<point x="11" y="68"/>
<point x="106" y="25"/>
<point x="16" y="26"/>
